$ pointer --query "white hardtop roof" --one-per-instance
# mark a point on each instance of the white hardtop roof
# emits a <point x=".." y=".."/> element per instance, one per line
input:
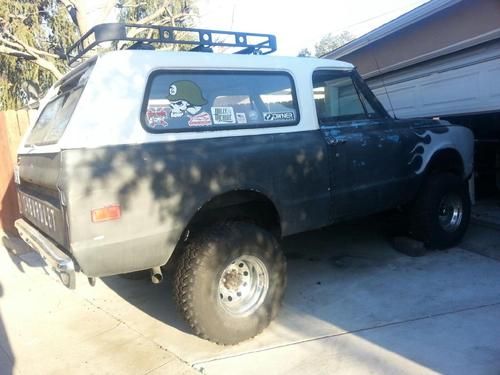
<point x="199" y="60"/>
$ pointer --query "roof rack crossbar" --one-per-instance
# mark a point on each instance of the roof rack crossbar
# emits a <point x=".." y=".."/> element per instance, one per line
<point x="201" y="39"/>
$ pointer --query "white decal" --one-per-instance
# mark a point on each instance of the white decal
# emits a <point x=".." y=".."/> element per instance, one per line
<point x="223" y="115"/>
<point x="428" y="143"/>
<point x="241" y="118"/>
<point x="253" y="116"/>
<point x="279" y="116"/>
<point x="173" y="90"/>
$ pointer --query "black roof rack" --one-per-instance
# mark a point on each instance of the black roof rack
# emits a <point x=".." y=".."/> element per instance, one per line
<point x="202" y="39"/>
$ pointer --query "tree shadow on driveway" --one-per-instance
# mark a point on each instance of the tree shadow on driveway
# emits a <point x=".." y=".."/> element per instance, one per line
<point x="341" y="279"/>
<point x="302" y="251"/>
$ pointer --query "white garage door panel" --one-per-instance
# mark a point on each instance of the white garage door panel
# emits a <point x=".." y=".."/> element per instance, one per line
<point x="493" y="81"/>
<point x="456" y="87"/>
<point x="449" y="89"/>
<point x="403" y="98"/>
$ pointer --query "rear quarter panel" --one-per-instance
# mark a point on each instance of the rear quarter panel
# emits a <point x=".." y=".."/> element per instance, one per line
<point x="160" y="186"/>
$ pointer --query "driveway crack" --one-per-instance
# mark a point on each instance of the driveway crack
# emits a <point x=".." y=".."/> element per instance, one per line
<point x="430" y="316"/>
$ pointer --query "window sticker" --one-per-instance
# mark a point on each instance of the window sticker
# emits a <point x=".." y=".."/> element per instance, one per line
<point x="216" y="100"/>
<point x="157" y="116"/>
<point x="253" y="115"/>
<point x="202" y="119"/>
<point x="223" y="115"/>
<point x="279" y="116"/>
<point x="241" y="118"/>
<point x="185" y="103"/>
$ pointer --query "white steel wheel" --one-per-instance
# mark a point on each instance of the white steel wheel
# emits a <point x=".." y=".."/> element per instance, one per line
<point x="243" y="285"/>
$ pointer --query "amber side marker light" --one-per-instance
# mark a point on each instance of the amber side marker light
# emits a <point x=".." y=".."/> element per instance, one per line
<point x="113" y="212"/>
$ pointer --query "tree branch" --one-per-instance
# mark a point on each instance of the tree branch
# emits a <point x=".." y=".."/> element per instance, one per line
<point x="157" y="18"/>
<point x="68" y="3"/>
<point x="131" y="5"/>
<point x="46" y="64"/>
<point x="16" y="43"/>
<point x="50" y="66"/>
<point x="10" y="44"/>
<point x="79" y="17"/>
<point x="4" y="50"/>
<point x="148" y="19"/>
<point x="19" y="49"/>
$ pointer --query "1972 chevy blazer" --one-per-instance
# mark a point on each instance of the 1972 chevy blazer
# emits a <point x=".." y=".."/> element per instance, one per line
<point x="143" y="157"/>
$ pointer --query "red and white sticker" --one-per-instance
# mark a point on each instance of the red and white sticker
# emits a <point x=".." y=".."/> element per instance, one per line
<point x="201" y="119"/>
<point x="157" y="116"/>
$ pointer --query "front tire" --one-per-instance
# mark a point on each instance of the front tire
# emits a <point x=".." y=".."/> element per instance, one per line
<point x="441" y="213"/>
<point x="230" y="282"/>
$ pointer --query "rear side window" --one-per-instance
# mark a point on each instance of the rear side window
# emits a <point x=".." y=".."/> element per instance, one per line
<point x="54" y="118"/>
<point x="187" y="101"/>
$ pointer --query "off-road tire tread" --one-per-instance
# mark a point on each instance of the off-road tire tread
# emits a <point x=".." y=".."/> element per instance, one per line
<point x="191" y="258"/>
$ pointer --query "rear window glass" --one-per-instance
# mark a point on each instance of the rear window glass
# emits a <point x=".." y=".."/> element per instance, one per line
<point x="214" y="100"/>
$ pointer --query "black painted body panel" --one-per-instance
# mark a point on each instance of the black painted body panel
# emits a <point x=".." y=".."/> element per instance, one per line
<point x="160" y="187"/>
<point x="373" y="166"/>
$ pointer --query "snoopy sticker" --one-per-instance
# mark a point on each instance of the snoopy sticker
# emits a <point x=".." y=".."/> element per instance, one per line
<point x="186" y="101"/>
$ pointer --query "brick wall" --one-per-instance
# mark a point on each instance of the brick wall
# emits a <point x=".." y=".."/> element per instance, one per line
<point x="13" y="124"/>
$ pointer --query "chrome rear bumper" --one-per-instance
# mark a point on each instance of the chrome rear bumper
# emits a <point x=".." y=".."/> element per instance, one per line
<point x="61" y="263"/>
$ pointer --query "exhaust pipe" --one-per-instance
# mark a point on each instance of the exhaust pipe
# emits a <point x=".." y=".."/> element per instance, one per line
<point x="156" y="275"/>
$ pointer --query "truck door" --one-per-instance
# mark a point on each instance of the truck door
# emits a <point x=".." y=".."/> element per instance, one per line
<point x="367" y="163"/>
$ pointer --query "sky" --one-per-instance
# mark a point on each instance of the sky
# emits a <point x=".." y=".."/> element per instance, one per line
<point x="296" y="24"/>
<point x="300" y="24"/>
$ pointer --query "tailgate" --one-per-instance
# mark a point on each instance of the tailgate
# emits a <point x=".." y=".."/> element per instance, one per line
<point x="39" y="196"/>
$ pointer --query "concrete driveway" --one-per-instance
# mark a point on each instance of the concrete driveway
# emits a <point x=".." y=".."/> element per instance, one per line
<point x="353" y="304"/>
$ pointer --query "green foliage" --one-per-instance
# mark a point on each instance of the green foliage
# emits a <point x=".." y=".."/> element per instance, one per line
<point x="179" y="13"/>
<point x="35" y="33"/>
<point x="304" y="52"/>
<point x="135" y="10"/>
<point x="330" y="41"/>
<point x="41" y="24"/>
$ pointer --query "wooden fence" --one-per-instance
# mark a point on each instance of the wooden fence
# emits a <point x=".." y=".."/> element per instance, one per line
<point x="13" y="124"/>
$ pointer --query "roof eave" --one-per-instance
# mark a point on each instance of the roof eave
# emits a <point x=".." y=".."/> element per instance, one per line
<point x="407" y="19"/>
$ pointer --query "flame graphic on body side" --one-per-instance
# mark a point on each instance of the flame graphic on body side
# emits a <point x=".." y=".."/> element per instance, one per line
<point x="429" y="142"/>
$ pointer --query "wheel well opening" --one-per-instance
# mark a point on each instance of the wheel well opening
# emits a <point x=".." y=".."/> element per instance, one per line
<point x="235" y="205"/>
<point x="447" y="160"/>
<point x="239" y="204"/>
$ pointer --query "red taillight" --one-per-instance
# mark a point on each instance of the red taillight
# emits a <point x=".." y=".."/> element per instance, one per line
<point x="106" y="213"/>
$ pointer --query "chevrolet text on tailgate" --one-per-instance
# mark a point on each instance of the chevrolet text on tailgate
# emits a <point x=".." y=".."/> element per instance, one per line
<point x="206" y="161"/>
